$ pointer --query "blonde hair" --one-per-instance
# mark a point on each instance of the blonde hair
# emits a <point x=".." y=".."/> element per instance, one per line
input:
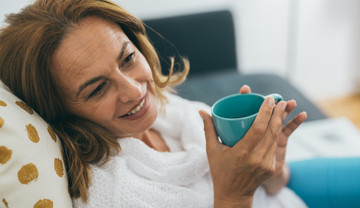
<point x="27" y="45"/>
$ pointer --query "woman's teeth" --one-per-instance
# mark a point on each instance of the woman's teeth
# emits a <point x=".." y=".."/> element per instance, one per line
<point x="137" y="108"/>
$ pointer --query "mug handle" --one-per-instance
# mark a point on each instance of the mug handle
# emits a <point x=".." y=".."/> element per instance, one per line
<point x="277" y="97"/>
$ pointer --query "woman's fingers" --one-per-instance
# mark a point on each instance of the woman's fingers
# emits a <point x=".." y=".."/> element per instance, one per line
<point x="212" y="141"/>
<point x="258" y="128"/>
<point x="245" y="89"/>
<point x="294" y="123"/>
<point x="275" y="127"/>
<point x="291" y="105"/>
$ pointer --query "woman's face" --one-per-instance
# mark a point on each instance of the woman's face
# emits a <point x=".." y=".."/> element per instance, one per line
<point x="104" y="78"/>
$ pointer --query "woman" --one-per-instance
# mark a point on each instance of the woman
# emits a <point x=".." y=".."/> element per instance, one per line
<point x="90" y="71"/>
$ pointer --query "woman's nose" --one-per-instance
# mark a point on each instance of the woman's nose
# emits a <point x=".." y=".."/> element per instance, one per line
<point x="130" y="89"/>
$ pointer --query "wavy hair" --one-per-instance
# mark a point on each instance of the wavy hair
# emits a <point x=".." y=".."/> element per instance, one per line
<point x="27" y="45"/>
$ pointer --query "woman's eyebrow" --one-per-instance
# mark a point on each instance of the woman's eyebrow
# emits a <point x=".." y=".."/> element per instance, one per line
<point x="122" y="51"/>
<point x="95" y="79"/>
<point x="91" y="81"/>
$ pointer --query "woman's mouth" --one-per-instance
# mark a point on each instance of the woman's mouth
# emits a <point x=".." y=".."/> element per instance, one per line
<point x="137" y="109"/>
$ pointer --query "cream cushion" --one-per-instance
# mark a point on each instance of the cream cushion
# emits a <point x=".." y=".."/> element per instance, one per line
<point x="32" y="171"/>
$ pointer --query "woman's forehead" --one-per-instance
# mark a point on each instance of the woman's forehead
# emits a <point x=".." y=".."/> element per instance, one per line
<point x="95" y="42"/>
<point x="91" y="39"/>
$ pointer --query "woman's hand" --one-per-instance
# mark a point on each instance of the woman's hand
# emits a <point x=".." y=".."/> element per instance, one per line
<point x="238" y="171"/>
<point x="282" y="173"/>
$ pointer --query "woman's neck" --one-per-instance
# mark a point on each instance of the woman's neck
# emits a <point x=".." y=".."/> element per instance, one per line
<point x="154" y="140"/>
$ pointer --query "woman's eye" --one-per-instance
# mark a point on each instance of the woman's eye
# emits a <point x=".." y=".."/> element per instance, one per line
<point x="98" y="90"/>
<point x="128" y="58"/>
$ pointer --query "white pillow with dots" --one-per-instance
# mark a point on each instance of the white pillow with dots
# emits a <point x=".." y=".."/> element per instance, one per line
<point x="32" y="171"/>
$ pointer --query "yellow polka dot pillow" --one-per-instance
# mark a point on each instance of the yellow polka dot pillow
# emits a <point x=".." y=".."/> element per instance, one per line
<point x="32" y="172"/>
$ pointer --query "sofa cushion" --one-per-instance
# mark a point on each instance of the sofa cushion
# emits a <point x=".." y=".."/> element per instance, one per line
<point x="32" y="171"/>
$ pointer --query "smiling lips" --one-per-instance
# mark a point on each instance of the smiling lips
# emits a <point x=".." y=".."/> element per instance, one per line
<point x="135" y="110"/>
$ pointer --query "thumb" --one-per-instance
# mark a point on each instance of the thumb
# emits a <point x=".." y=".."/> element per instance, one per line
<point x="210" y="132"/>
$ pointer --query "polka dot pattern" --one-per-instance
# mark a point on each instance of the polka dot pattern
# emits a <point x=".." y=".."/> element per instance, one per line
<point x="5" y="203"/>
<point x="1" y="122"/>
<point x="31" y="158"/>
<point x="28" y="173"/>
<point x="5" y="154"/>
<point x="44" y="203"/>
<point x="58" y="166"/>
<point x="2" y="103"/>
<point x="25" y="107"/>
<point x="32" y="133"/>
<point x="52" y="133"/>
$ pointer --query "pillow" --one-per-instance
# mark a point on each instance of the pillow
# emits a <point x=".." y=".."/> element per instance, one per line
<point x="32" y="171"/>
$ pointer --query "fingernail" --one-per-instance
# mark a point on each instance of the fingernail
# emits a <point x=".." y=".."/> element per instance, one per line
<point x="283" y="105"/>
<point x="305" y="113"/>
<point x="271" y="101"/>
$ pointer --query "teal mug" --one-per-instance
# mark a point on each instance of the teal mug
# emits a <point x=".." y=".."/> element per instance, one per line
<point x="233" y="115"/>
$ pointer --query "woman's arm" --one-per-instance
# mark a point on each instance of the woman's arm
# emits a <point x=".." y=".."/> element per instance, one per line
<point x="242" y="202"/>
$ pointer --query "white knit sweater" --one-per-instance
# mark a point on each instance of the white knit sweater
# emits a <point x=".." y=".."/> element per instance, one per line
<point x="139" y="176"/>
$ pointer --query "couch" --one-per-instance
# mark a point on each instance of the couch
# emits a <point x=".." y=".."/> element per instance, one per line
<point x="208" y="40"/>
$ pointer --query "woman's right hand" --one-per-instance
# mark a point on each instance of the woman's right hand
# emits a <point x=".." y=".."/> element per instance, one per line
<point x="238" y="171"/>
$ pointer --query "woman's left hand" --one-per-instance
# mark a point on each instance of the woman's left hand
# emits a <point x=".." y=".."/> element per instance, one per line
<point x="282" y="173"/>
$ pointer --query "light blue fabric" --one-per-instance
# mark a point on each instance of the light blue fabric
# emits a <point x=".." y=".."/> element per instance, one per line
<point x="327" y="182"/>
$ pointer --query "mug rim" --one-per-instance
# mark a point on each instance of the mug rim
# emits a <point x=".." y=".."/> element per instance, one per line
<point x="230" y="96"/>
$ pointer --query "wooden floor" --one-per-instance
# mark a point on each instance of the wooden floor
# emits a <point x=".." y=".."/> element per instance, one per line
<point x="348" y="106"/>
